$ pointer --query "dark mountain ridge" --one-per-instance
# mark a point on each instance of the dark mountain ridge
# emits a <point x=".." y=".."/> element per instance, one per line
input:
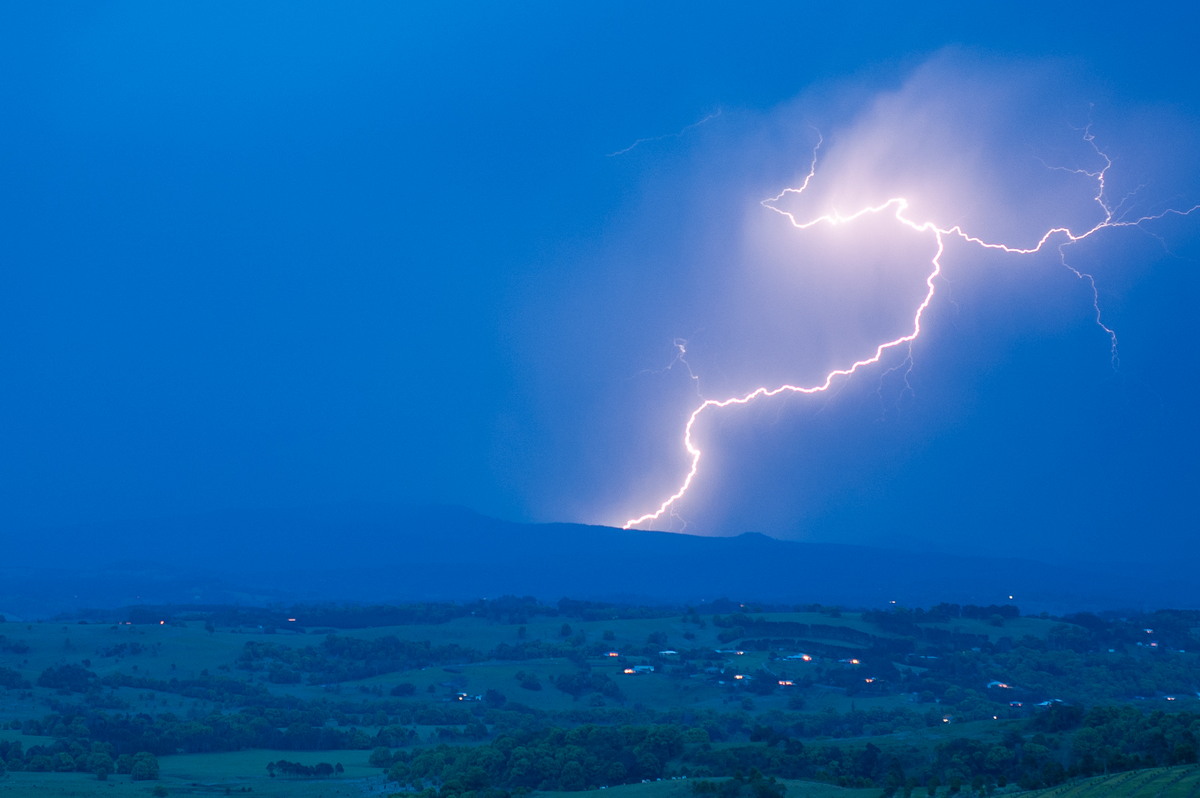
<point x="379" y="554"/>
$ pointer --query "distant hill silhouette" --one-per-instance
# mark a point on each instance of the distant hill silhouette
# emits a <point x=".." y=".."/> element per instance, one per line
<point x="375" y="554"/>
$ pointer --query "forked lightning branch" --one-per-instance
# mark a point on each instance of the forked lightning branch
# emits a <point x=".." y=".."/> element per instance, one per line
<point x="898" y="208"/>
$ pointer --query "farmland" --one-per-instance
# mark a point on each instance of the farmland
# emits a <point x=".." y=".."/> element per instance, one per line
<point x="512" y="696"/>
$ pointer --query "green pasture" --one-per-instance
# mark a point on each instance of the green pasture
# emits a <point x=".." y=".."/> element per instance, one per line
<point x="210" y="774"/>
<point x="682" y="788"/>
<point x="1176" y="782"/>
<point x="1016" y="628"/>
<point x="79" y="785"/>
<point x="27" y="740"/>
<point x="177" y="650"/>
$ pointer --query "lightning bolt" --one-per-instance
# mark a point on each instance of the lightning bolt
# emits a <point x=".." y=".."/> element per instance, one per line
<point x="680" y="345"/>
<point x="1058" y="237"/>
<point x="674" y="135"/>
<point x="680" y="359"/>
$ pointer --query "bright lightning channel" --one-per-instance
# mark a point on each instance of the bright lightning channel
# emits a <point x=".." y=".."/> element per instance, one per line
<point x="898" y="207"/>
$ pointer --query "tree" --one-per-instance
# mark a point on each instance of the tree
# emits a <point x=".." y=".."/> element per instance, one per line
<point x="39" y="763"/>
<point x="145" y="766"/>
<point x="528" y="681"/>
<point x="101" y="764"/>
<point x="399" y="773"/>
<point x="71" y="677"/>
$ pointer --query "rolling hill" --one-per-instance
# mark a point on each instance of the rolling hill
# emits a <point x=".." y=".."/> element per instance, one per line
<point x="374" y="554"/>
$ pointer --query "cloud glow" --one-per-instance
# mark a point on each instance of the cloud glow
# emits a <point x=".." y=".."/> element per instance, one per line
<point x="924" y="163"/>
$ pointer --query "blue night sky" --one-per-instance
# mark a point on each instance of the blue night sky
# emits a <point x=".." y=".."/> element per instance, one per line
<point x="284" y="254"/>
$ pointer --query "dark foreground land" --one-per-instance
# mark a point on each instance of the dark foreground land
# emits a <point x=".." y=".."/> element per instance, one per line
<point x="511" y="696"/>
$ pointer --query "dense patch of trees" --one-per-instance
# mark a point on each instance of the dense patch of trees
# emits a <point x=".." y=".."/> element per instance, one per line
<point x="79" y="756"/>
<point x="127" y="649"/>
<point x="70" y="677"/>
<point x="753" y="786"/>
<point x="340" y="659"/>
<point x="321" y="770"/>
<point x="13" y="680"/>
<point x="8" y="646"/>
<point x="216" y="689"/>
<point x="740" y="625"/>
<point x="581" y="682"/>
<point x="555" y="759"/>
<point x="589" y="756"/>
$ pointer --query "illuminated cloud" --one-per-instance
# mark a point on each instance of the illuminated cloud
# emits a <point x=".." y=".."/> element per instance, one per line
<point x="965" y="170"/>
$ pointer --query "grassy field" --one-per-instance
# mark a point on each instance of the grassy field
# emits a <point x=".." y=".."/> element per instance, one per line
<point x="1176" y="782"/>
<point x="72" y="785"/>
<point x="181" y="649"/>
<point x="239" y="772"/>
<point x="77" y="785"/>
<point x="682" y="789"/>
<point x="244" y="773"/>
